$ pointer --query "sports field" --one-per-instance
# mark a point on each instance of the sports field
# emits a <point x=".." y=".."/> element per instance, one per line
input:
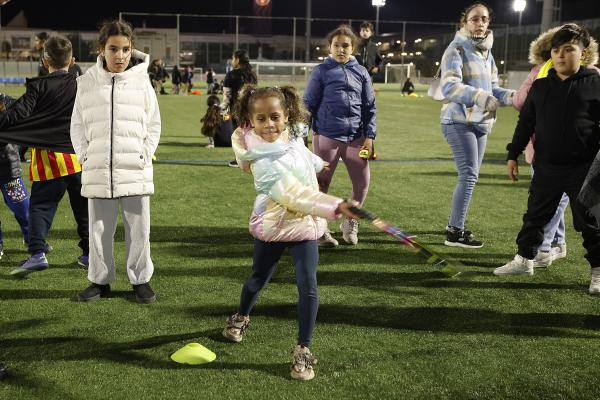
<point x="389" y="326"/>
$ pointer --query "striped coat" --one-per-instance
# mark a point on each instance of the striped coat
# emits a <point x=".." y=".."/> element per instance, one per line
<point x="466" y="72"/>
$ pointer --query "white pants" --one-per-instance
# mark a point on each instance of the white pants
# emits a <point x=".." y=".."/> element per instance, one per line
<point x="103" y="215"/>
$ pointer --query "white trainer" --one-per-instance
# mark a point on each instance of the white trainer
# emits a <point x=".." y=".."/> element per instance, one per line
<point x="543" y="259"/>
<point x="558" y="251"/>
<point x="349" y="228"/>
<point x="595" y="282"/>
<point x="327" y="240"/>
<point x="302" y="365"/>
<point x="518" y="266"/>
<point x="236" y="327"/>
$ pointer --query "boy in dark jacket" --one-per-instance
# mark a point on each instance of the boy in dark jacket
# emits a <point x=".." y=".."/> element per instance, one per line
<point x="368" y="52"/>
<point x="563" y="110"/>
<point x="42" y="118"/>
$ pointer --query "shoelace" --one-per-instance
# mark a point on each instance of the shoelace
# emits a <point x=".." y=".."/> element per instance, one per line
<point x="232" y="323"/>
<point x="304" y="359"/>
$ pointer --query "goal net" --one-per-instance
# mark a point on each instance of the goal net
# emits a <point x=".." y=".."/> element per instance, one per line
<point x="282" y="73"/>
<point x="397" y="73"/>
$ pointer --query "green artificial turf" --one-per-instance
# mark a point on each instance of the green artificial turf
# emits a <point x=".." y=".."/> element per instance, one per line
<point x="389" y="325"/>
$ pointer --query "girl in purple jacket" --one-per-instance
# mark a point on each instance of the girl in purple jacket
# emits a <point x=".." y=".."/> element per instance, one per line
<point x="341" y="100"/>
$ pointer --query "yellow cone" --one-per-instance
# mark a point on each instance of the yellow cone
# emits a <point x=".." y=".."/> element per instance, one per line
<point x="193" y="354"/>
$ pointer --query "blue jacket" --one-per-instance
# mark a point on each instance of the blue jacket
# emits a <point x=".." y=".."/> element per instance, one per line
<point x="341" y="99"/>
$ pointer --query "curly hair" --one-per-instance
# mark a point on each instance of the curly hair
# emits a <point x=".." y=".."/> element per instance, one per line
<point x="342" y="30"/>
<point x="291" y="103"/>
<point x="211" y="122"/>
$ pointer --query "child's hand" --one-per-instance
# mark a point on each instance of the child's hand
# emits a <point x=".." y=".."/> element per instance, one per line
<point x="325" y="166"/>
<point x="367" y="145"/>
<point x="512" y="167"/>
<point x="344" y="208"/>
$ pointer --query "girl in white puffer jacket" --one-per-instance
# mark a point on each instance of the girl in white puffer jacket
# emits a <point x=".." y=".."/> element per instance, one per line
<point x="115" y="129"/>
<point x="288" y="212"/>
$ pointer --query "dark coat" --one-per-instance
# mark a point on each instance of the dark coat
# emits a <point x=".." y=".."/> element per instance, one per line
<point x="42" y="116"/>
<point x="368" y="55"/>
<point x="564" y="114"/>
<point x="10" y="162"/>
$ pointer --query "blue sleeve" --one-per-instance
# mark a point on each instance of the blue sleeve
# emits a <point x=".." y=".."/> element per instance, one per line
<point x="314" y="93"/>
<point x="369" y="110"/>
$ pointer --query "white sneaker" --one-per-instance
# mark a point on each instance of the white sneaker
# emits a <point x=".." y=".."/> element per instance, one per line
<point x="595" y="282"/>
<point x="302" y="365"/>
<point x="518" y="266"/>
<point x="349" y="229"/>
<point x="543" y="259"/>
<point x="327" y="240"/>
<point x="236" y="327"/>
<point x="558" y="251"/>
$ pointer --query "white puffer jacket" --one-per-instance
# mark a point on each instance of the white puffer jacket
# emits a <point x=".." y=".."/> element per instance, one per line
<point x="115" y="129"/>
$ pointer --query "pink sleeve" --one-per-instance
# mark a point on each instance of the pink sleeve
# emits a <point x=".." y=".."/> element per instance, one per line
<point x="521" y="93"/>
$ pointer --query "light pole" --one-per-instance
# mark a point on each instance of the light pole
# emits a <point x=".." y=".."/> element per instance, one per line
<point x="519" y="6"/>
<point x="377" y="4"/>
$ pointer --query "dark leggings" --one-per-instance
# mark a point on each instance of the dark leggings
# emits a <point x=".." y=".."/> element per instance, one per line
<point x="265" y="259"/>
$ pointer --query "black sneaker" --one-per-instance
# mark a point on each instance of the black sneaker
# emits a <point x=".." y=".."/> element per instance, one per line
<point x="456" y="237"/>
<point x="94" y="292"/>
<point x="233" y="163"/>
<point x="144" y="293"/>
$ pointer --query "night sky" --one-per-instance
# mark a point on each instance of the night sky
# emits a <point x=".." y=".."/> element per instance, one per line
<point x="86" y="14"/>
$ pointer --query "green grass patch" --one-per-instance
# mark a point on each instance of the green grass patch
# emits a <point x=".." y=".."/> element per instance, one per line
<point x="389" y="325"/>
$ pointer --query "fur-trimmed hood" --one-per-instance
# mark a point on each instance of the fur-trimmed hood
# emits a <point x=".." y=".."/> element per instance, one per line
<point x="543" y="42"/>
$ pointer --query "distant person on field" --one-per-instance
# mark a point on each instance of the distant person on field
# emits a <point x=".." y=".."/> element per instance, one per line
<point x="367" y="52"/>
<point x="175" y="79"/>
<point x="408" y="88"/>
<point x="216" y="126"/>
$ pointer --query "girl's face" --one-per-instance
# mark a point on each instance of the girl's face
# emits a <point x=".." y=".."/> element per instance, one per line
<point x="117" y="52"/>
<point x="268" y="118"/>
<point x="235" y="61"/>
<point x="341" y="48"/>
<point x="478" y="20"/>
<point x="566" y="59"/>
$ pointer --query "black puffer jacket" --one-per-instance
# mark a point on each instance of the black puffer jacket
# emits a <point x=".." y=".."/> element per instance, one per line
<point x="10" y="163"/>
<point x="564" y="114"/>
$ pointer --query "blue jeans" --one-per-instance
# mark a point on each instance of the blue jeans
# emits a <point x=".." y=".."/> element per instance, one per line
<point x="16" y="198"/>
<point x="554" y="231"/>
<point x="468" y="147"/>
<point x="265" y="259"/>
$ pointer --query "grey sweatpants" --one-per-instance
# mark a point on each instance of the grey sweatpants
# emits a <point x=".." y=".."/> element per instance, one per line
<point x="103" y="215"/>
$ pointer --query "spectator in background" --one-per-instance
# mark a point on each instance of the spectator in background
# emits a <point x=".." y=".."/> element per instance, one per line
<point x="368" y="53"/>
<point x="408" y="88"/>
<point x="210" y="81"/>
<point x="175" y="79"/>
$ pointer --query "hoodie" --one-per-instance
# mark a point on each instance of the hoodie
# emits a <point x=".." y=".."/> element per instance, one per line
<point x="539" y="52"/>
<point x="564" y="114"/>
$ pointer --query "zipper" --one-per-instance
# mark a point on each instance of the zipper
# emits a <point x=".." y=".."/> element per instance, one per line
<point x="347" y="95"/>
<point x="112" y="124"/>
